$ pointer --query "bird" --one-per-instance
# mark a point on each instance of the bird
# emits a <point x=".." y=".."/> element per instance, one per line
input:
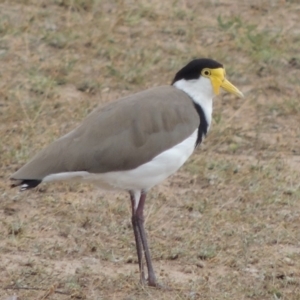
<point x="135" y="143"/>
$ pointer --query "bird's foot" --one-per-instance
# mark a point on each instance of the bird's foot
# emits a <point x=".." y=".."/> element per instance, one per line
<point x="155" y="284"/>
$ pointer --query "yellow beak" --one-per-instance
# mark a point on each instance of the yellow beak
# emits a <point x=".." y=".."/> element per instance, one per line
<point x="218" y="80"/>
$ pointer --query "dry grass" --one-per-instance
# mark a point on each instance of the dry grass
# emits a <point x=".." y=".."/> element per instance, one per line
<point x="227" y="225"/>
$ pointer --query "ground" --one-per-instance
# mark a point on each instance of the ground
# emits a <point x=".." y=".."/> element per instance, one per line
<point x="227" y="225"/>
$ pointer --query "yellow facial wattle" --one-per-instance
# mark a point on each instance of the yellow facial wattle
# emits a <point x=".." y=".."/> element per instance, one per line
<point x="218" y="80"/>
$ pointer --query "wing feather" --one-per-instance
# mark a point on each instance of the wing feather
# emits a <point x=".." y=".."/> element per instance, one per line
<point x="119" y="136"/>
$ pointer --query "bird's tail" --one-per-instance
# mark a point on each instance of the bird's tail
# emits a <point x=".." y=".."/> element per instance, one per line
<point x="25" y="184"/>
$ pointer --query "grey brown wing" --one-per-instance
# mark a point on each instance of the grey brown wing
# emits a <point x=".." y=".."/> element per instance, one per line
<point x="120" y="136"/>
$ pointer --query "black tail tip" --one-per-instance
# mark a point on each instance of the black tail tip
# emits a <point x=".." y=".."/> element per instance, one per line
<point x="25" y="184"/>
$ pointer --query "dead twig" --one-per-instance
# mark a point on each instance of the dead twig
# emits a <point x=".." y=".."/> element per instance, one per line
<point x="50" y="291"/>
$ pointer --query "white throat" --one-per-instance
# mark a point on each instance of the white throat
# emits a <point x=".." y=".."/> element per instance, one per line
<point x="201" y="91"/>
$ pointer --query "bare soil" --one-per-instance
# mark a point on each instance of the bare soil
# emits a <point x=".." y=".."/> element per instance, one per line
<point x="227" y="225"/>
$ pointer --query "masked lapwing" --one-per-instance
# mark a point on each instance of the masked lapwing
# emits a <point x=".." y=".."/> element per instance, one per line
<point x="135" y="142"/>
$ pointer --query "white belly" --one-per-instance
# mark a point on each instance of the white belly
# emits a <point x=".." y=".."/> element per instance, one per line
<point x="143" y="177"/>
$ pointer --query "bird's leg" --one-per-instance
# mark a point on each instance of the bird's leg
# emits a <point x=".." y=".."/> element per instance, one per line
<point x="137" y="237"/>
<point x="140" y="223"/>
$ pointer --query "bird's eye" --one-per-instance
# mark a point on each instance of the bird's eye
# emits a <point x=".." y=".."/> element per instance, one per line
<point x="206" y="72"/>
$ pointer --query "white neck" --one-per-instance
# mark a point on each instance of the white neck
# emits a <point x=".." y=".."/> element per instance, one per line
<point x="201" y="91"/>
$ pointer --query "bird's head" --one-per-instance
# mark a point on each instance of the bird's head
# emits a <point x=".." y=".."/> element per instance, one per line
<point x="203" y="69"/>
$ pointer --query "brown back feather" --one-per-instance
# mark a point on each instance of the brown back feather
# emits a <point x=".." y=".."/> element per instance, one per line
<point x="119" y="136"/>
